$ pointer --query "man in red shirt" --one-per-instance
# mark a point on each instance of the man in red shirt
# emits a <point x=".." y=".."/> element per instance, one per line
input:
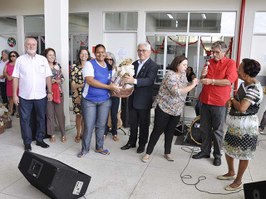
<point x="217" y="80"/>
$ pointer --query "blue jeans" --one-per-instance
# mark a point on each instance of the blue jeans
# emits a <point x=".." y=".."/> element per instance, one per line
<point x="25" y="110"/>
<point x="95" y="116"/>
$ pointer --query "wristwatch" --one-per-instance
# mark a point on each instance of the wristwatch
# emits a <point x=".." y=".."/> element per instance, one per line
<point x="50" y="93"/>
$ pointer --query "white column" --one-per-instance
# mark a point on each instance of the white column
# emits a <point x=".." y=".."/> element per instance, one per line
<point x="20" y="34"/>
<point x="141" y="27"/>
<point x="95" y="29"/>
<point x="56" y="37"/>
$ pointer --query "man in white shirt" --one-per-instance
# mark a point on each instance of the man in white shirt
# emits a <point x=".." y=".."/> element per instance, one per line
<point x="3" y="63"/>
<point x="32" y="75"/>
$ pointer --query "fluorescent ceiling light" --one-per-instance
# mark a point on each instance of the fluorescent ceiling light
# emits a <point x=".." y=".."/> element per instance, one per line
<point x="170" y="16"/>
<point x="203" y="16"/>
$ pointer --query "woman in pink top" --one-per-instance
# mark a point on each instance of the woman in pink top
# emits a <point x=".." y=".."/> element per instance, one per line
<point x="8" y="70"/>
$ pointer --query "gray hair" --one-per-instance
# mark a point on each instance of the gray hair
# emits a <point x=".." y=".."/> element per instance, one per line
<point x="146" y="45"/>
<point x="219" y="44"/>
<point x="109" y="54"/>
<point x="28" y="38"/>
<point x="6" y="51"/>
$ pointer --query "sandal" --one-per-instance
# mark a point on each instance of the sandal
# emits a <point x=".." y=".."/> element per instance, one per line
<point x="77" y="139"/>
<point x="145" y="158"/>
<point x="168" y="157"/>
<point x="103" y="151"/>
<point x="235" y="186"/>
<point x="52" y="138"/>
<point x="63" y="139"/>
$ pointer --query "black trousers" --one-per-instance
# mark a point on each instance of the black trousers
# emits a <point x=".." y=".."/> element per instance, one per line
<point x="166" y="123"/>
<point x="139" y="119"/>
<point x="3" y="92"/>
<point x="212" y="119"/>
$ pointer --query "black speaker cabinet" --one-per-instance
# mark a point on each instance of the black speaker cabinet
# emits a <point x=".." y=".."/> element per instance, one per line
<point x="52" y="177"/>
<point x="255" y="190"/>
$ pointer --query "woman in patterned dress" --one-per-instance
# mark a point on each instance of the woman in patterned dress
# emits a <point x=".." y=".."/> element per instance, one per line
<point x="77" y="83"/>
<point x="242" y="133"/>
<point x="170" y="102"/>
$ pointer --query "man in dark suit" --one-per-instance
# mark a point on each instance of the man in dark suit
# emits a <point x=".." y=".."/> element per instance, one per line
<point x="140" y="102"/>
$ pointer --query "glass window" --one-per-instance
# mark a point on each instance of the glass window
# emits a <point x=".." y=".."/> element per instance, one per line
<point x="34" y="25"/>
<point x="127" y="21"/>
<point x="260" y="23"/>
<point x="8" y="33"/>
<point x="78" y="23"/>
<point x="223" y="23"/>
<point x="166" y="22"/>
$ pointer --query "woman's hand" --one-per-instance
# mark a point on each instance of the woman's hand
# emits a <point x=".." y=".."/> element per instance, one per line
<point x="229" y="103"/>
<point x="195" y="82"/>
<point x="114" y="88"/>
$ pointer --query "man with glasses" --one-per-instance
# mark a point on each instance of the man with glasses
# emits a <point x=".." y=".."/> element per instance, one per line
<point x="140" y="102"/>
<point x="217" y="80"/>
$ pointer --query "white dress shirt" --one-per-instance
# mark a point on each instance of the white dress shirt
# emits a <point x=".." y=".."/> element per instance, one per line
<point x="32" y="73"/>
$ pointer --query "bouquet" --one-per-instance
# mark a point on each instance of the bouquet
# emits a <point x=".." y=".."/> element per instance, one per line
<point x="125" y="69"/>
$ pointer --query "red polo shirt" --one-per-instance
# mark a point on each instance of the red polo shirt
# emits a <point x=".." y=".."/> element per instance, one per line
<point x="223" y="69"/>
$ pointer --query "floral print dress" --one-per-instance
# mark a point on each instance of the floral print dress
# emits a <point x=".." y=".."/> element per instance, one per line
<point x="77" y="78"/>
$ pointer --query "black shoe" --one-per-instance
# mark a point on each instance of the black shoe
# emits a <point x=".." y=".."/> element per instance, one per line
<point x="27" y="147"/>
<point x="200" y="155"/>
<point x="217" y="161"/>
<point x="128" y="146"/>
<point x="42" y="144"/>
<point x="140" y="149"/>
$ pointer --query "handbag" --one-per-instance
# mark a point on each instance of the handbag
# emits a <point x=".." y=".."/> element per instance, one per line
<point x="56" y="93"/>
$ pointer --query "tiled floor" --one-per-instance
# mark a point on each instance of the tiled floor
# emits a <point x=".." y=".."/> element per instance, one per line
<point x="122" y="175"/>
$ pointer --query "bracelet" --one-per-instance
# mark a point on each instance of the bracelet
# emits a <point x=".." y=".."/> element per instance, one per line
<point x="213" y="81"/>
<point x="50" y="93"/>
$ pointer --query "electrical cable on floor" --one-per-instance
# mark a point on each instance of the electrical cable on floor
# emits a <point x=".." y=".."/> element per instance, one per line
<point x="200" y="178"/>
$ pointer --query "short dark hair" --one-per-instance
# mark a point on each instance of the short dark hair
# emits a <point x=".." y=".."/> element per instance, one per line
<point x="102" y="46"/>
<point x="175" y="63"/>
<point x="46" y="51"/>
<point x="98" y="46"/>
<point x="12" y="52"/>
<point x="251" y="67"/>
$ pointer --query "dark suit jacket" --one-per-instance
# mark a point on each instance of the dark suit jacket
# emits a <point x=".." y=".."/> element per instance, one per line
<point x="141" y="98"/>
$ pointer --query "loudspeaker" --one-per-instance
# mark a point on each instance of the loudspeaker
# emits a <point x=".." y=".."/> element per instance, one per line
<point x="52" y="177"/>
<point x="255" y="190"/>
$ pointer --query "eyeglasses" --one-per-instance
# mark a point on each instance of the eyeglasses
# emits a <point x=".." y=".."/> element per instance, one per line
<point x="216" y="52"/>
<point x="109" y="60"/>
<point x="13" y="56"/>
<point x="143" y="51"/>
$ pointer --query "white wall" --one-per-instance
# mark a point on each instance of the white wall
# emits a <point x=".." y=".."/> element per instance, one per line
<point x="4" y="45"/>
<point x="97" y="8"/>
